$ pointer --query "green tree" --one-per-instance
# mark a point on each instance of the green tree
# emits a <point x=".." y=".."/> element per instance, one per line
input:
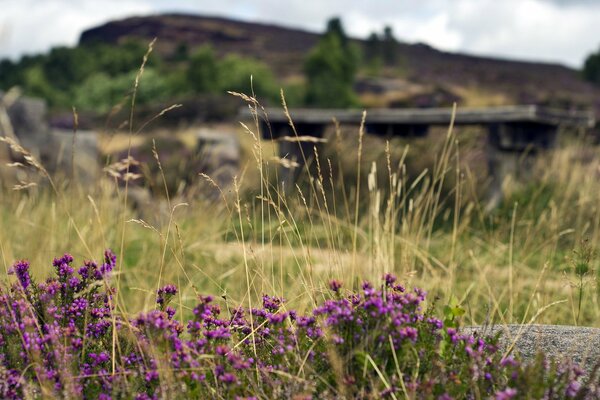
<point x="331" y="68"/>
<point x="389" y="46"/>
<point x="35" y="83"/>
<point x="203" y="72"/>
<point x="373" y="47"/>
<point x="246" y="75"/>
<point x="591" y="68"/>
<point x="66" y="67"/>
<point x="10" y="74"/>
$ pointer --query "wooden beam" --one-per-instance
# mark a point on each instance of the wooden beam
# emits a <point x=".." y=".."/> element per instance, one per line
<point x="434" y="116"/>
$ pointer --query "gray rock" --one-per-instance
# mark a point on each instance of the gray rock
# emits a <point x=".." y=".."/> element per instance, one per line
<point x="74" y="156"/>
<point x="219" y="155"/>
<point x="580" y="344"/>
<point x="28" y="118"/>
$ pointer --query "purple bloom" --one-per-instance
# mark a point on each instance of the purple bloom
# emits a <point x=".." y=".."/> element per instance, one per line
<point x="573" y="389"/>
<point x="272" y="303"/>
<point x="227" y="378"/>
<point x="165" y="293"/>
<point x="21" y="270"/>
<point x="63" y="267"/>
<point x="506" y="394"/>
<point x="389" y="279"/>
<point x="335" y="285"/>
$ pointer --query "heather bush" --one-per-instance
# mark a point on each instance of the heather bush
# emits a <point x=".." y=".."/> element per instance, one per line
<point x="63" y="338"/>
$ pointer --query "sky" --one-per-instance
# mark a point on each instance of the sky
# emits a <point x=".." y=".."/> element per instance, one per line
<point x="562" y="31"/>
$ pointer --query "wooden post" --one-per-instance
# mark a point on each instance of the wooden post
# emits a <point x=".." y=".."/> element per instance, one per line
<point x="296" y="152"/>
<point x="507" y="144"/>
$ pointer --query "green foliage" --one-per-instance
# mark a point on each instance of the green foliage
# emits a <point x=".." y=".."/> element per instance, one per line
<point x="9" y="74"/>
<point x="101" y="92"/>
<point x="98" y="76"/>
<point x="115" y="60"/>
<point x="381" y="49"/>
<point x="235" y="73"/>
<point x="331" y="68"/>
<point x="206" y="74"/>
<point x="373" y="48"/>
<point x="202" y="71"/>
<point x="591" y="68"/>
<point x="581" y="264"/>
<point x="65" y="66"/>
<point x="453" y="313"/>
<point x="181" y="53"/>
<point x="35" y="82"/>
<point x="59" y="75"/>
<point x="389" y="46"/>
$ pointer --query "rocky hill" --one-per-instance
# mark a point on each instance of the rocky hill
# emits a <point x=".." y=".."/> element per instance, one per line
<point x="471" y="79"/>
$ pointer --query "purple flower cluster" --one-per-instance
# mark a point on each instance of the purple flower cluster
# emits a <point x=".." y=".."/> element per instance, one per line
<point x="21" y="270"/>
<point x="164" y="295"/>
<point x="56" y="339"/>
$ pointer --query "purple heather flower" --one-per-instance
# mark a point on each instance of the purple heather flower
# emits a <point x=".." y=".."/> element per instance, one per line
<point x="272" y="303"/>
<point x="63" y="267"/>
<point x="508" y="361"/>
<point x="389" y="279"/>
<point x="335" y="285"/>
<point x="151" y="375"/>
<point x="165" y="293"/>
<point x="170" y="312"/>
<point x="219" y="333"/>
<point x="21" y="270"/>
<point x="110" y="262"/>
<point x="573" y="389"/>
<point x="506" y="394"/>
<point x="227" y="378"/>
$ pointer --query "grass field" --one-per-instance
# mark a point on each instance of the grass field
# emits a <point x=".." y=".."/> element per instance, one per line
<point x="363" y="209"/>
<point x="514" y="264"/>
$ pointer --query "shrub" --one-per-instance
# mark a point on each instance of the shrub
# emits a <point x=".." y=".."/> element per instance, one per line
<point x="101" y="92"/>
<point x="57" y="341"/>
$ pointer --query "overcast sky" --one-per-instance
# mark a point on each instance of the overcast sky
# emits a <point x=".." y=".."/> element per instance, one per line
<point x="563" y="31"/>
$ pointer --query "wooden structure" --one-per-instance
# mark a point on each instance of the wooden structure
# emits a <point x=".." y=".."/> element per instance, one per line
<point x="511" y="129"/>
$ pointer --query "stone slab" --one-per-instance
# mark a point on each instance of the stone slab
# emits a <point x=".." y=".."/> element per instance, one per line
<point x="580" y="344"/>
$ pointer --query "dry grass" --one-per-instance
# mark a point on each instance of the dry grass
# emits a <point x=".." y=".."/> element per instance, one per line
<point x="426" y="226"/>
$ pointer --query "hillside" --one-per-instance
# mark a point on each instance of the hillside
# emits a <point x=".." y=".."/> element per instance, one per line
<point x="477" y="79"/>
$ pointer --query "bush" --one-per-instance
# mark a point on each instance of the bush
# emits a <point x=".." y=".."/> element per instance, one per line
<point x="202" y="72"/>
<point x="235" y="73"/>
<point x="57" y="341"/>
<point x="101" y="92"/>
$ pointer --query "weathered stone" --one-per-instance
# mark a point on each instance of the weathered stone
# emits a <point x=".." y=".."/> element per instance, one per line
<point x="218" y="155"/>
<point x="74" y="155"/>
<point x="28" y="119"/>
<point x="580" y="344"/>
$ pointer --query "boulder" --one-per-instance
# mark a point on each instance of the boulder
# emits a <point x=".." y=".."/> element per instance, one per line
<point x="580" y="344"/>
<point x="218" y="154"/>
<point x="75" y="156"/>
<point x="28" y="119"/>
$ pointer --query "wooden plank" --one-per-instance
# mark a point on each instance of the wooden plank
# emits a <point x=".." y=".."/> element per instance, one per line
<point x="435" y="116"/>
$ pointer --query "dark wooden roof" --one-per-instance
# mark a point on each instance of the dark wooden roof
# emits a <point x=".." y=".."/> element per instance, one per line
<point x="434" y="116"/>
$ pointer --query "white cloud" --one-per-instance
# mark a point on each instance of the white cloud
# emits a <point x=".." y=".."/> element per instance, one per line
<point x="31" y="26"/>
<point x="528" y="29"/>
<point x="551" y="30"/>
